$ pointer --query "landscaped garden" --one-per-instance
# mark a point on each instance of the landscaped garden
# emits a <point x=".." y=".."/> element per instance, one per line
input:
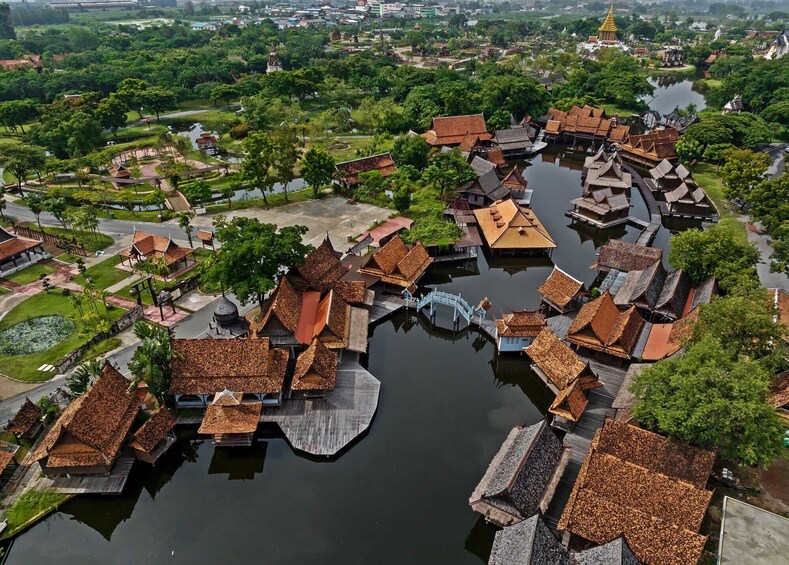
<point x="31" y="273"/>
<point x="104" y="274"/>
<point x="48" y="326"/>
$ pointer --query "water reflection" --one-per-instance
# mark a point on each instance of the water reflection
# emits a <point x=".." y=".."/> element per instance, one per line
<point x="674" y="90"/>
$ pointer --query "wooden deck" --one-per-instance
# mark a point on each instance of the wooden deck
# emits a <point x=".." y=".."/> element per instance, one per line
<point x="357" y="340"/>
<point x="326" y="426"/>
<point x="112" y="484"/>
<point x="580" y="439"/>
<point x="384" y="306"/>
<point x="648" y="233"/>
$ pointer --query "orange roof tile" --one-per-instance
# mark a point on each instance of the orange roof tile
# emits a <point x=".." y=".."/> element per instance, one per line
<point x="451" y="130"/>
<point x="560" y="288"/>
<point x="506" y="225"/>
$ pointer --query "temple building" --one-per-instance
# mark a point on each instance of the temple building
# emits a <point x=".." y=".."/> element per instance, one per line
<point x="87" y="438"/>
<point x="644" y="487"/>
<point x="273" y="64"/>
<point x="249" y="367"/>
<point x="510" y="229"/>
<point x="649" y="149"/>
<point x="230" y="421"/>
<point x="349" y="172"/>
<point x="396" y="264"/>
<point x="450" y="131"/>
<point x="600" y="326"/>
<point x="606" y="36"/>
<point x="16" y="252"/>
<point x="583" y="123"/>
<point x="315" y="373"/>
<point x="517" y="330"/>
<point x="150" y="248"/>
<point x="560" y="291"/>
<point x="522" y="476"/>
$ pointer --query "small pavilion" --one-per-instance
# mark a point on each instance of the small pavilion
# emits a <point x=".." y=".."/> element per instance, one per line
<point x="231" y="421"/>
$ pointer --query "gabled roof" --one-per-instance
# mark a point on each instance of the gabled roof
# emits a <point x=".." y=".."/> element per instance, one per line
<point x="28" y="416"/>
<point x="556" y="360"/>
<point x="560" y="288"/>
<point x="350" y="171"/>
<point x="322" y="267"/>
<point x="514" y="180"/>
<point x="506" y="225"/>
<point x="654" y="146"/>
<point x="284" y="305"/>
<point x="611" y="175"/>
<point x="570" y="403"/>
<point x="616" y="552"/>
<point x="487" y="184"/>
<point x="451" y="130"/>
<point x="327" y="318"/>
<point x="524" y="323"/>
<point x="481" y="166"/>
<point x="229" y="415"/>
<point x="529" y="542"/>
<point x="12" y="245"/>
<point x="625" y="256"/>
<point x="779" y="390"/>
<point x="600" y="325"/>
<point x="520" y="472"/>
<point x="205" y="366"/>
<point x="92" y="429"/>
<point x="642" y="288"/>
<point x="149" y="246"/>
<point x="645" y="487"/>
<point x="396" y="263"/>
<point x="316" y="368"/>
<point x="154" y="430"/>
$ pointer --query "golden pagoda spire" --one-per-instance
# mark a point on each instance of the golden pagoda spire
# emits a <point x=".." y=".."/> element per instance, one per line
<point x="608" y="29"/>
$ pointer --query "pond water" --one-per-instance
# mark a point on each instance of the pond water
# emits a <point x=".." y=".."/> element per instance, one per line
<point x="672" y="90"/>
<point x="399" y="494"/>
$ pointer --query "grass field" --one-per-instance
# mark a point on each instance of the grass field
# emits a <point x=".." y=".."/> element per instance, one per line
<point x="92" y="242"/>
<point x="104" y="274"/>
<point x="31" y="273"/>
<point x="273" y="200"/>
<point x="31" y="505"/>
<point x="25" y="367"/>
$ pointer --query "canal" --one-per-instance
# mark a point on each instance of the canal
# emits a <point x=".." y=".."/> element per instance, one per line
<point x="399" y="494"/>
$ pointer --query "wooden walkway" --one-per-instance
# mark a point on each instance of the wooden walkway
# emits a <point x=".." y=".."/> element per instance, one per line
<point x="326" y="426"/>
<point x="112" y="484"/>
<point x="580" y="439"/>
<point x="385" y="306"/>
<point x="648" y="233"/>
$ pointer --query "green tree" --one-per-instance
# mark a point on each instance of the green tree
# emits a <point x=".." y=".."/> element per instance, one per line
<point x="372" y="184"/>
<point x="688" y="150"/>
<point x="197" y="192"/>
<point x="717" y="251"/>
<point x="286" y="155"/>
<point x="130" y="91"/>
<point x="743" y="169"/>
<point x="448" y="171"/>
<point x="256" y="167"/>
<point x="56" y="205"/>
<point x="401" y="197"/>
<point x="16" y="113"/>
<point x="81" y="378"/>
<point x="253" y="255"/>
<point x="35" y="202"/>
<point x="411" y="150"/>
<point x="157" y="99"/>
<point x="317" y="168"/>
<point x="151" y="361"/>
<point x="21" y="159"/>
<point x="111" y="113"/>
<point x="6" y="22"/>
<point x="224" y="92"/>
<point x="185" y="223"/>
<point x="707" y="398"/>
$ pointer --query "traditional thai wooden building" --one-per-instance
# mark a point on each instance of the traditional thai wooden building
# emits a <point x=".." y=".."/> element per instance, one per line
<point x="27" y="422"/>
<point x="651" y="148"/>
<point x="600" y="326"/>
<point x="610" y="175"/>
<point x="249" y="367"/>
<point x="666" y="176"/>
<point x="483" y="190"/>
<point x="207" y="143"/>
<point x="206" y="238"/>
<point x="624" y="256"/>
<point x="321" y="270"/>
<point x="397" y="264"/>
<point x="689" y="200"/>
<point x="151" y="248"/>
<point x="450" y="131"/>
<point x="510" y="229"/>
<point x="349" y="172"/>
<point x="154" y="437"/>
<point x="278" y="319"/>
<point x="18" y="252"/>
<point x="602" y="157"/>
<point x="231" y="421"/>
<point x="315" y="373"/>
<point x="517" y="330"/>
<point x="515" y="142"/>
<point x="644" y="487"/>
<point x="655" y="292"/>
<point x="600" y="208"/>
<point x="583" y="123"/>
<point x="779" y="394"/>
<point x="516" y="184"/>
<point x="561" y="292"/>
<point x="88" y="436"/>
<point x="522" y="476"/>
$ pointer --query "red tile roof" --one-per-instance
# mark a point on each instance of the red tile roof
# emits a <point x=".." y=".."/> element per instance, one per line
<point x="350" y="171"/>
<point x="12" y="245"/>
<point x="600" y="326"/>
<point x="146" y="246"/>
<point x="452" y="130"/>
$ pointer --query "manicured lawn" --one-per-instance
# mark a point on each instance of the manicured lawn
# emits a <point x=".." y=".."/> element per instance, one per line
<point x="30" y="505"/>
<point x="104" y="274"/>
<point x="706" y="175"/>
<point x="147" y="216"/>
<point x="355" y="143"/>
<point x="92" y="242"/>
<point x="25" y="367"/>
<point x="30" y="274"/>
<point x="273" y="200"/>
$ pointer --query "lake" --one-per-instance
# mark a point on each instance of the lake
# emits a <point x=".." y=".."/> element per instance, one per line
<point x="672" y="90"/>
<point x="400" y="493"/>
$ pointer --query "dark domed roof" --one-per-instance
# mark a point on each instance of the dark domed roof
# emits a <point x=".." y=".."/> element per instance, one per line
<point x="225" y="313"/>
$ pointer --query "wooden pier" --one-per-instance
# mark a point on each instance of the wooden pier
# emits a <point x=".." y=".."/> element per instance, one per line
<point x="385" y="306"/>
<point x="600" y="400"/>
<point x="649" y="232"/>
<point x="325" y="426"/>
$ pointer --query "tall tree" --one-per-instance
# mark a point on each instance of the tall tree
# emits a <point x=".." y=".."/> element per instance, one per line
<point x="448" y="171"/>
<point x="253" y="255"/>
<point x="256" y="168"/>
<point x="185" y="223"/>
<point x="56" y="205"/>
<point x="35" y="203"/>
<point x="317" y="168"/>
<point x="707" y="398"/>
<point x="6" y="23"/>
<point x="151" y="361"/>
<point x="111" y="113"/>
<point x="21" y="159"/>
<point x="743" y="170"/>
<point x="157" y="98"/>
<point x="286" y="155"/>
<point x="411" y="150"/>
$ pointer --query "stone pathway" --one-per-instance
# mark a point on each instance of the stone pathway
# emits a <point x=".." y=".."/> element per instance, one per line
<point x="763" y="243"/>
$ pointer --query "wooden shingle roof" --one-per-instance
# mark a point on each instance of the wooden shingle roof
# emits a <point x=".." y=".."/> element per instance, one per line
<point x="28" y="416"/>
<point x="316" y="368"/>
<point x="396" y="263"/>
<point x="154" y="430"/>
<point x="506" y="225"/>
<point x="560" y="364"/>
<point x="600" y="326"/>
<point x="522" y="323"/>
<point x="560" y="288"/>
<point x="350" y="171"/>
<point x="322" y="267"/>
<point x="625" y="256"/>
<point x="451" y="130"/>
<point x="229" y="415"/>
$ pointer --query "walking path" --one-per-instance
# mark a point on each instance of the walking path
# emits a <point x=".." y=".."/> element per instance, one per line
<point x="763" y="243"/>
<point x="648" y="233"/>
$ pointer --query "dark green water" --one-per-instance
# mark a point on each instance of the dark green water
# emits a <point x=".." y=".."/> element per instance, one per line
<point x="398" y="495"/>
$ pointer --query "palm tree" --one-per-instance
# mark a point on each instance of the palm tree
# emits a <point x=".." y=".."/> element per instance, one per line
<point x="151" y="360"/>
<point x="80" y="380"/>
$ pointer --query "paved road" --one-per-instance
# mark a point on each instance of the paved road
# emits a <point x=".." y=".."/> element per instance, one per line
<point x="762" y="242"/>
